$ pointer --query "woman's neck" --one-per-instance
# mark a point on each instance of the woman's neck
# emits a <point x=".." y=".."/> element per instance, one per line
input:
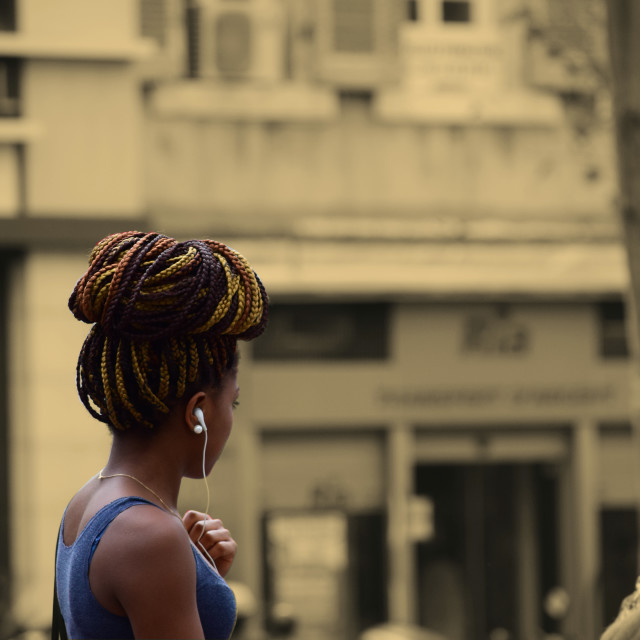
<point x="147" y="460"/>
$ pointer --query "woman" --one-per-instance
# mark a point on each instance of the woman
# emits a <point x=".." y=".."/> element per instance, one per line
<point x="159" y="367"/>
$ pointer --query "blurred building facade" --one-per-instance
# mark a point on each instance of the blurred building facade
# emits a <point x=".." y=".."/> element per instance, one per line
<point x="434" y="429"/>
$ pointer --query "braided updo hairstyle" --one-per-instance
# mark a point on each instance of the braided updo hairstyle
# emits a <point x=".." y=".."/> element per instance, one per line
<point x="166" y="315"/>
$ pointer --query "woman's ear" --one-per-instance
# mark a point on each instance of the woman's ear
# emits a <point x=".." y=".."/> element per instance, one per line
<point x="196" y="400"/>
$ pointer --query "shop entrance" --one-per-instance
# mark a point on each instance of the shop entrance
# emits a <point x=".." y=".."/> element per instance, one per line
<point x="491" y="561"/>
<point x="324" y="532"/>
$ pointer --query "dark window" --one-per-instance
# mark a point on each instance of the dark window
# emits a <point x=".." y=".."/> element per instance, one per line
<point x="325" y="332"/>
<point x="468" y="562"/>
<point x="192" y="25"/>
<point x="413" y="13"/>
<point x="9" y="87"/>
<point x="612" y="330"/>
<point x="619" y="539"/>
<point x="8" y="15"/>
<point x="456" y="11"/>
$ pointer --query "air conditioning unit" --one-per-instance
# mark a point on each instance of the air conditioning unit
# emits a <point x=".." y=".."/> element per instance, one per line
<point x="239" y="40"/>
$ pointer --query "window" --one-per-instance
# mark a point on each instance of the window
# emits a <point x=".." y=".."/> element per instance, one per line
<point x="8" y="15"/>
<point x="456" y="11"/>
<point x="443" y="12"/>
<point x="325" y="332"/>
<point x="192" y="22"/>
<point x="612" y="330"/>
<point x="9" y="87"/>
<point x="413" y="10"/>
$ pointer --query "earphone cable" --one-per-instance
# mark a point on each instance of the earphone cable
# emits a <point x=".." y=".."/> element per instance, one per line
<point x="206" y="484"/>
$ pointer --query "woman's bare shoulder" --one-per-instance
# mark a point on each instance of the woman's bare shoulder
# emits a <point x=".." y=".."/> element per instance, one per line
<point x="142" y="533"/>
<point x="146" y="565"/>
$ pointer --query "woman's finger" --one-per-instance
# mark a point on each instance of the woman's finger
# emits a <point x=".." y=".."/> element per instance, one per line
<point x="224" y="549"/>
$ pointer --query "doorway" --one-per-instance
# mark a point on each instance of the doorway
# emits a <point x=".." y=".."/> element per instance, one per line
<point x="484" y="572"/>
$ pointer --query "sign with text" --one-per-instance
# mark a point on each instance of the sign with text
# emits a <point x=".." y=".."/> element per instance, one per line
<point x="463" y="363"/>
<point x="443" y="61"/>
<point x="307" y="561"/>
<point x="486" y="396"/>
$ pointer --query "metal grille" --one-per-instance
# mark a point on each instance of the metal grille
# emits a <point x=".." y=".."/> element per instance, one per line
<point x="354" y="26"/>
<point x="232" y="37"/>
<point x="153" y="20"/>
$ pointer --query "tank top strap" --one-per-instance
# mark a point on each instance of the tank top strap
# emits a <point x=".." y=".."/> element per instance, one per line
<point x="83" y="614"/>
<point x="90" y="536"/>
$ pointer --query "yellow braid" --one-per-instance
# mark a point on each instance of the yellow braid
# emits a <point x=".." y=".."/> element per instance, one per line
<point x="142" y="382"/>
<point x="106" y="384"/>
<point x="122" y="390"/>
<point x="175" y="264"/>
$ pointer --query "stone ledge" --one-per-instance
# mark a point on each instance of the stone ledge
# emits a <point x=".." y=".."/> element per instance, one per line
<point x="202" y="99"/>
<point x="508" y="108"/>
<point x="23" y="46"/>
<point x="19" y="130"/>
<point x="437" y="270"/>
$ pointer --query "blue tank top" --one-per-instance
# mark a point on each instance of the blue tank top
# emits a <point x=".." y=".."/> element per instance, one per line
<point x="86" y="618"/>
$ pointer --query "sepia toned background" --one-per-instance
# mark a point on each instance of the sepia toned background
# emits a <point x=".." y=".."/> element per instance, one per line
<point x="434" y="431"/>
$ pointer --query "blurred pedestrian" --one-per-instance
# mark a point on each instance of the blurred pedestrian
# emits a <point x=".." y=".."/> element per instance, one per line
<point x="159" y="368"/>
<point x="627" y="625"/>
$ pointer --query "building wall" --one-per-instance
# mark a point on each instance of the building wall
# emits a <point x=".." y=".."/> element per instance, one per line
<point x="54" y="444"/>
<point x="86" y="161"/>
<point x="349" y="172"/>
<point x="531" y="388"/>
<point x="525" y="362"/>
<point x="70" y="150"/>
<point x="467" y="129"/>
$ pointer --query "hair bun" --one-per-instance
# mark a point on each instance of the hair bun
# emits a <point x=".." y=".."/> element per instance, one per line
<point x="147" y="286"/>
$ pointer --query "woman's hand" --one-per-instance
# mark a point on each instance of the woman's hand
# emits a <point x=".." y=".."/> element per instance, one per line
<point x="216" y="539"/>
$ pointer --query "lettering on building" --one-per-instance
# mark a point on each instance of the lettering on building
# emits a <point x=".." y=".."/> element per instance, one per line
<point x="577" y="395"/>
<point x="495" y="333"/>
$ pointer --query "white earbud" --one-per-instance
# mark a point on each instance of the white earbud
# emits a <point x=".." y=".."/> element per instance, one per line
<point x="199" y="428"/>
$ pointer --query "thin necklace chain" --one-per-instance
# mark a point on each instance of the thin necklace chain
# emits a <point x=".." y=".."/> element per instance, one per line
<point x="101" y="476"/>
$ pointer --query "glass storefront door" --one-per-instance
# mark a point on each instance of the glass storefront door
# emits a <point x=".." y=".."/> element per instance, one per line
<point x="486" y="570"/>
